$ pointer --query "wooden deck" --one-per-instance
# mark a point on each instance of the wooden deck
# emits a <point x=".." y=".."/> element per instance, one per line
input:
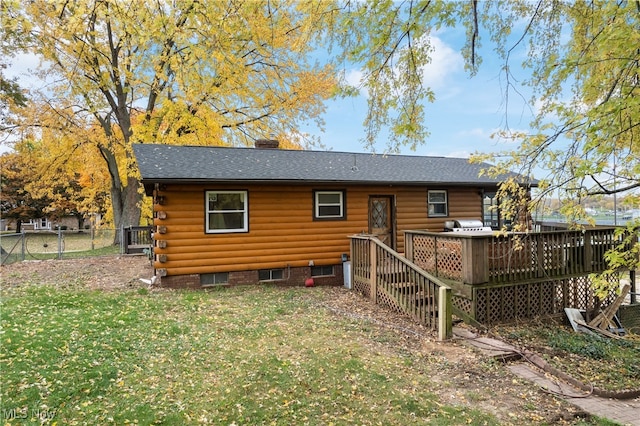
<point x="486" y="279"/>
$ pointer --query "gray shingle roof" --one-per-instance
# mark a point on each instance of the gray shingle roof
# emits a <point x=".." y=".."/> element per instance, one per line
<point x="199" y="164"/>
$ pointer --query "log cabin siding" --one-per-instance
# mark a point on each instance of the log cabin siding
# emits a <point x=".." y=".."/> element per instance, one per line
<point x="282" y="231"/>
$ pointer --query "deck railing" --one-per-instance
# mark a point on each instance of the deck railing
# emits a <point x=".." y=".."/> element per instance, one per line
<point x="137" y="239"/>
<point x="387" y="278"/>
<point x="516" y="257"/>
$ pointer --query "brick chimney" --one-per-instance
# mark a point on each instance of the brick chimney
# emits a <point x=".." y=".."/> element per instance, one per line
<point x="267" y="144"/>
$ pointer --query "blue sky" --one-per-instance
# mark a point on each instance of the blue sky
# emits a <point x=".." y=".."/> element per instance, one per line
<point x="466" y="112"/>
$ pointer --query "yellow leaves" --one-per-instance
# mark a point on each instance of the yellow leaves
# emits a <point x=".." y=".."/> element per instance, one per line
<point x="183" y="123"/>
<point x="172" y="72"/>
<point x="66" y="171"/>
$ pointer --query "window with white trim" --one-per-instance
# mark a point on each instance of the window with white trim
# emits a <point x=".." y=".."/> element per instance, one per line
<point x="226" y="211"/>
<point x="328" y="205"/>
<point x="437" y="203"/>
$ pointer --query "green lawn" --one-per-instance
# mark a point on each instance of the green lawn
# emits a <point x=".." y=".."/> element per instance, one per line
<point x="249" y="355"/>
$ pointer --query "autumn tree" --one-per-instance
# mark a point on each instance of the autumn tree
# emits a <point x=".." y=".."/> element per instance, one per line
<point x="68" y="172"/>
<point x="173" y="72"/>
<point x="584" y="61"/>
<point x="586" y="131"/>
<point x="584" y="77"/>
<point x="586" y="136"/>
<point x="11" y="94"/>
<point x="16" y="202"/>
<point x="226" y="72"/>
<point x="37" y="182"/>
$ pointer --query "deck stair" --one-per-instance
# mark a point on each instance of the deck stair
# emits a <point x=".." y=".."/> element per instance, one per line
<point x="404" y="287"/>
<point x="388" y="278"/>
<point x="411" y="293"/>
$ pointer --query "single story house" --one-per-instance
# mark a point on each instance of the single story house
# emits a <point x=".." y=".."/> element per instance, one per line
<point x="246" y="215"/>
<point x="72" y="223"/>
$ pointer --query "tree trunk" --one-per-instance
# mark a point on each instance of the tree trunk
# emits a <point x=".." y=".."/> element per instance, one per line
<point x="126" y="206"/>
<point x="125" y="195"/>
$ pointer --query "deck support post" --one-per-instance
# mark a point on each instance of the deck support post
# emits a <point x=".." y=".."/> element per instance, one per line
<point x="475" y="268"/>
<point x="445" y="330"/>
<point x="373" y="259"/>
<point x="408" y="246"/>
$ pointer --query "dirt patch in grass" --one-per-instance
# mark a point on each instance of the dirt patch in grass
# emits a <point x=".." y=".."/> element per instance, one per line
<point x="103" y="273"/>
<point x="463" y="376"/>
<point x="458" y="375"/>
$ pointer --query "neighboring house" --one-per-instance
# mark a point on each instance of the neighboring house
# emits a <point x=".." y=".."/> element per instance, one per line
<point x="34" y="224"/>
<point x="38" y="224"/>
<point x="46" y="224"/>
<point x="247" y="215"/>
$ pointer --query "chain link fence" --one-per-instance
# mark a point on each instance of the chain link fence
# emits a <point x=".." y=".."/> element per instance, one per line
<point x="59" y="244"/>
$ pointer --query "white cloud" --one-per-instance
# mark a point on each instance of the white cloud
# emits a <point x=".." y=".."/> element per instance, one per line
<point x="430" y="152"/>
<point x="445" y="62"/>
<point x="23" y="67"/>
<point x="458" y="154"/>
<point x="476" y="136"/>
<point x="437" y="74"/>
<point x="354" y="77"/>
<point x="475" y="132"/>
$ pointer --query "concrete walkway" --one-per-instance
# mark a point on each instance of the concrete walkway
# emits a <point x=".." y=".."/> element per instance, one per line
<point x="625" y="412"/>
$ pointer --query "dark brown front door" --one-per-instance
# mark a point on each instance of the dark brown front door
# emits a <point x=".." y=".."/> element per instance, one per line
<point x="381" y="218"/>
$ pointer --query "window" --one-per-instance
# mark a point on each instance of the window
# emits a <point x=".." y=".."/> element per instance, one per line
<point x="322" y="271"/>
<point x="493" y="216"/>
<point x="270" y="274"/>
<point x="437" y="201"/>
<point x="214" y="279"/>
<point x="227" y="211"/>
<point x="40" y="223"/>
<point x="490" y="210"/>
<point x="328" y="204"/>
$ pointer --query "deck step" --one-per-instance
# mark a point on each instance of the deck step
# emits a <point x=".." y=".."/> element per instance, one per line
<point x="425" y="299"/>
<point x="395" y="277"/>
<point x="405" y="287"/>
<point x="412" y="289"/>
